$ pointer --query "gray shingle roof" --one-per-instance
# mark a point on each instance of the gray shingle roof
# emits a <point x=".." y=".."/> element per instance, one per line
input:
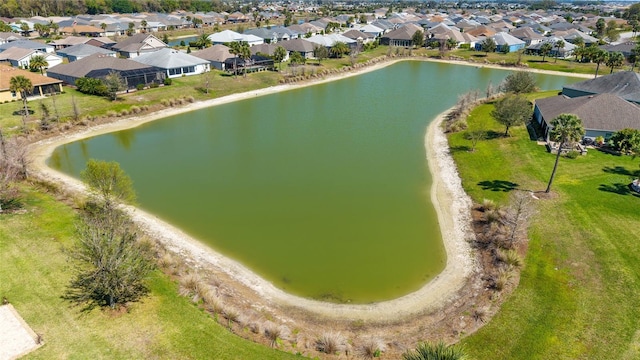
<point x="606" y="112"/>
<point x="625" y="84"/>
<point x="82" y="67"/>
<point x="83" y="50"/>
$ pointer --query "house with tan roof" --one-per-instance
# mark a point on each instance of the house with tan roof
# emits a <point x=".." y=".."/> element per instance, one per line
<point x="138" y="44"/>
<point x="81" y="30"/>
<point x="217" y="54"/>
<point x="42" y="85"/>
<point x="21" y="57"/>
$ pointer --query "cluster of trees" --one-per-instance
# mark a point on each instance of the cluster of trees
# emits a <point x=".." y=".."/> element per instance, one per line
<point x="109" y="87"/>
<point x="25" y="8"/>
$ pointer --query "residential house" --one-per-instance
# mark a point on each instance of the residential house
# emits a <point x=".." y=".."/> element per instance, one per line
<point x="267" y="50"/>
<point x="98" y="66"/>
<point x="304" y="29"/>
<point x="174" y="62"/>
<point x="359" y="36"/>
<point x="80" y="51"/>
<point x="42" y="85"/>
<point x="400" y="37"/>
<point x="626" y="48"/>
<point x="601" y="115"/>
<point x="228" y="36"/>
<point x="273" y="34"/>
<point x="216" y="55"/>
<point x="528" y="35"/>
<point x="302" y="46"/>
<point x="330" y="40"/>
<point x="20" y="57"/>
<point x="138" y="44"/>
<point x="562" y="52"/>
<point x="625" y="84"/>
<point x="507" y="43"/>
<point x="27" y="44"/>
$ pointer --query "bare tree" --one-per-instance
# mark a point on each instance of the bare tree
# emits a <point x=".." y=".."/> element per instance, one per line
<point x="516" y="217"/>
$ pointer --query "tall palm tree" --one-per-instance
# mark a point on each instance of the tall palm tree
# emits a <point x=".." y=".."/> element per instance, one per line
<point x="545" y="49"/>
<point x="559" y="45"/>
<point x="567" y="128"/>
<point x="103" y="26"/>
<point x="24" y="86"/>
<point x="635" y="54"/>
<point x="598" y="56"/>
<point x="614" y="60"/>
<point x="38" y="62"/>
<point x="241" y="50"/>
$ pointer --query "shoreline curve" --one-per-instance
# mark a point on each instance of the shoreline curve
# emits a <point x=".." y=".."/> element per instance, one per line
<point x="450" y="201"/>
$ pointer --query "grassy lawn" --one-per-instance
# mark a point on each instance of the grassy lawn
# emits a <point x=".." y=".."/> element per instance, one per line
<point x="578" y="293"/>
<point x="34" y="273"/>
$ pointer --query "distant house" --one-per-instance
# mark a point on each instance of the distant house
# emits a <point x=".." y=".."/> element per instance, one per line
<point x="601" y="115"/>
<point x="174" y="62"/>
<point x="6" y="37"/>
<point x="330" y="40"/>
<point x="528" y="35"/>
<point x="216" y="55"/>
<point x="138" y="44"/>
<point x="267" y="50"/>
<point x="228" y="36"/>
<point x="81" y="51"/>
<point x="99" y="66"/>
<point x="68" y="41"/>
<point x="358" y="35"/>
<point x="27" y="44"/>
<point x="20" y="57"/>
<point x="42" y="85"/>
<point x="82" y="30"/>
<point x="563" y="52"/>
<point x="625" y="48"/>
<point x="625" y="84"/>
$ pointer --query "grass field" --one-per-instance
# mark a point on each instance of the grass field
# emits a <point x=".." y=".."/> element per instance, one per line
<point x="33" y="276"/>
<point x="578" y="296"/>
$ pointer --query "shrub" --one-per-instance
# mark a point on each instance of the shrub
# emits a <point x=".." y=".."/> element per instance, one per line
<point x="275" y="333"/>
<point x="153" y="85"/>
<point x="488" y="205"/>
<point x="572" y="154"/>
<point x="111" y="113"/>
<point x="165" y="102"/>
<point x="371" y="348"/>
<point x="212" y="301"/>
<point x="509" y="257"/>
<point x="139" y="87"/>
<point x="135" y="109"/>
<point x="331" y="343"/>
<point x="189" y="285"/>
<point x="435" y="351"/>
<point x="502" y="279"/>
<point x="167" y="81"/>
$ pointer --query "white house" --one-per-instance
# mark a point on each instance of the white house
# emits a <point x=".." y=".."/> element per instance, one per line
<point x="174" y="62"/>
<point x="21" y="58"/>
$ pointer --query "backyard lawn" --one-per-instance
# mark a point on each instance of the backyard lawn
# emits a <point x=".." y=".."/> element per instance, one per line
<point x="578" y="293"/>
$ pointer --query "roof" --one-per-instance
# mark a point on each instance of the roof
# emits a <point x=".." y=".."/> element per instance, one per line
<point x="355" y="34"/>
<point x="70" y="40"/>
<point x="82" y="50"/>
<point x="10" y="36"/>
<point x="7" y="72"/>
<point x="81" y="29"/>
<point x="83" y="66"/>
<point x="503" y="38"/>
<point x="526" y="33"/>
<point x="133" y="42"/>
<point x="330" y="39"/>
<point x="15" y="53"/>
<point x="404" y="33"/>
<point x="268" y="49"/>
<point x="169" y="59"/>
<point x="606" y="112"/>
<point x="625" y="84"/>
<point x="218" y="53"/>
<point x="26" y="44"/>
<point x="299" y="45"/>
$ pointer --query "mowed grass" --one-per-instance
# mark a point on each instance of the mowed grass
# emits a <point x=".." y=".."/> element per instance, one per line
<point x="579" y="292"/>
<point x="34" y="273"/>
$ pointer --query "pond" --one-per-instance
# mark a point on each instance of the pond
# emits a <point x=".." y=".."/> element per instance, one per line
<point x="323" y="190"/>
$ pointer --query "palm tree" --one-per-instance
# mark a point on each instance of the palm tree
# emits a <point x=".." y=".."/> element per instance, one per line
<point x="635" y="55"/>
<point x="567" y="128"/>
<point x="203" y="41"/>
<point x="38" y="62"/>
<point x="545" y="49"/>
<point x="278" y="56"/>
<point x="242" y="51"/>
<point x="24" y="86"/>
<point x="614" y="60"/>
<point x="339" y="49"/>
<point x="559" y="45"/>
<point x="439" y="351"/>
<point x="451" y="43"/>
<point x="103" y="26"/>
<point x="144" y="24"/>
<point x="598" y="56"/>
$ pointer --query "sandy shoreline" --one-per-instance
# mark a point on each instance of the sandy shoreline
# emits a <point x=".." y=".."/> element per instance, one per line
<point x="451" y="203"/>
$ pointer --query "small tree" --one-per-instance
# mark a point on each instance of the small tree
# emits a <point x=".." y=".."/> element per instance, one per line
<point x="22" y="85"/>
<point x="340" y="49"/>
<point x="566" y="129"/>
<point x="320" y="52"/>
<point x="114" y="83"/>
<point x="108" y="181"/>
<point x="545" y="49"/>
<point x="418" y="39"/>
<point x="488" y="45"/>
<point x="110" y="264"/>
<point x="38" y="62"/>
<point x="519" y="82"/>
<point x="559" y="45"/>
<point x="278" y="56"/>
<point x="512" y="110"/>
<point x="475" y="136"/>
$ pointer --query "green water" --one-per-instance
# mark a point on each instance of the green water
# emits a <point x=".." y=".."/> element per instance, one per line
<point x="323" y="191"/>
